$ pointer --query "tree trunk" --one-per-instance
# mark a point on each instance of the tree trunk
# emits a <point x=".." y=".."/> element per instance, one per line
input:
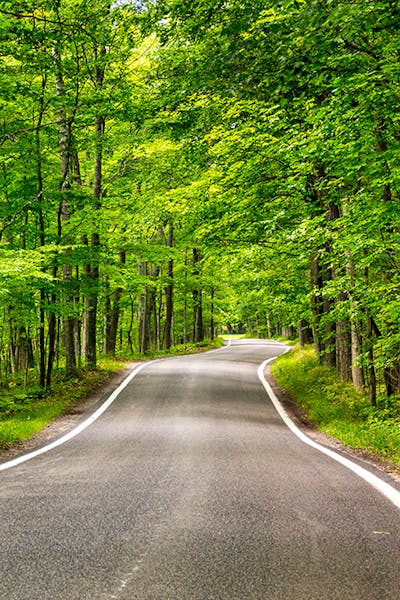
<point x="343" y="344"/>
<point x="92" y="269"/>
<point x="343" y="349"/>
<point x="64" y="137"/>
<point x="371" y="361"/>
<point x="329" y="354"/>
<point x="144" y="335"/>
<point x="115" y="313"/>
<point x="169" y="291"/>
<point x="42" y="343"/>
<point x="392" y="379"/>
<point x="52" y="333"/>
<point x="21" y="348"/>
<point x="316" y="305"/>
<point x="90" y="313"/>
<point x="107" y="316"/>
<point x="304" y="332"/>
<point x="185" y="302"/>
<point x="198" y="330"/>
<point x="212" y="323"/>
<point x="356" y="371"/>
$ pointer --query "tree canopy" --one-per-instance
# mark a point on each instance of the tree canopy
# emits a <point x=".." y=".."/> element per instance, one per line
<point x="171" y="169"/>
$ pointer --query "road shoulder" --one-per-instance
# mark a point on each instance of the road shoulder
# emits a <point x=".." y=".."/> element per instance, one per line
<point x="388" y="469"/>
<point x="77" y="413"/>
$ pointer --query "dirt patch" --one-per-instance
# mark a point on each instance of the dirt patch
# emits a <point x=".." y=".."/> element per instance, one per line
<point x="75" y="415"/>
<point x="300" y="418"/>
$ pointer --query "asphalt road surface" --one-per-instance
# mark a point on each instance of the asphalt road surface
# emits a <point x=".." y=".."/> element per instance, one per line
<point x="190" y="487"/>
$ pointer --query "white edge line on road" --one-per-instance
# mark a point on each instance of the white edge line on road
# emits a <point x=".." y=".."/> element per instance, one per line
<point x="77" y="430"/>
<point x="384" y="488"/>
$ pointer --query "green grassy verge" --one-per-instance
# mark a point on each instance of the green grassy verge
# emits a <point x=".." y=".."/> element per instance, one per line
<point x="25" y="410"/>
<point x="189" y="348"/>
<point x="285" y="340"/>
<point x="336" y="408"/>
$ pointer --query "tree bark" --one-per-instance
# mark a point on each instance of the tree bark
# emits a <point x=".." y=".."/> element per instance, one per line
<point x="115" y="313"/>
<point x="316" y="305"/>
<point x="143" y="330"/>
<point x="357" y="374"/>
<point x="343" y="349"/>
<point x="356" y="371"/>
<point x="92" y="269"/>
<point x="185" y="300"/>
<point x="169" y="292"/>
<point x="304" y="332"/>
<point x="371" y="361"/>
<point x="198" y="330"/>
<point x="42" y="238"/>
<point x="64" y="137"/>
<point x="212" y="321"/>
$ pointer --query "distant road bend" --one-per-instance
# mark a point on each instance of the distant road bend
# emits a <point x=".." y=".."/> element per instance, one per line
<point x="191" y="487"/>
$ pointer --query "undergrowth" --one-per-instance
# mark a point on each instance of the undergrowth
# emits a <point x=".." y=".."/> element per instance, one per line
<point x="337" y="408"/>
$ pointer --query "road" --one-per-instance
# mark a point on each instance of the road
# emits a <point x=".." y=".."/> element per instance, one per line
<point x="191" y="487"/>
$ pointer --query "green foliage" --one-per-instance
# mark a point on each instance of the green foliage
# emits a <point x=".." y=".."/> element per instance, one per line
<point x="336" y="408"/>
<point x="263" y="135"/>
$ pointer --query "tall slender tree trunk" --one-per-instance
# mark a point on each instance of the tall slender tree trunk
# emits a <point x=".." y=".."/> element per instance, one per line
<point x="52" y="334"/>
<point x="107" y="316"/>
<point x="90" y="313"/>
<point x="112" y="319"/>
<point x="355" y="341"/>
<point x="198" y="329"/>
<point x="356" y="371"/>
<point x="343" y="342"/>
<point x="143" y="329"/>
<point x="343" y="349"/>
<point x="316" y="305"/>
<point x="371" y="361"/>
<point x="212" y="321"/>
<point x="42" y="315"/>
<point x="64" y="136"/>
<point x="92" y="269"/>
<point x="153" y="313"/>
<point x="185" y="302"/>
<point x="169" y="293"/>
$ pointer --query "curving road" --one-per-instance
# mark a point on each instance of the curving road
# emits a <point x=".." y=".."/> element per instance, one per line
<point x="190" y="487"/>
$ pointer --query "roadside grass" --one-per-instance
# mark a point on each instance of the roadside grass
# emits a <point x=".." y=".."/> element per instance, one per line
<point x="285" y="340"/>
<point x="188" y="348"/>
<point x="25" y="410"/>
<point x="233" y="336"/>
<point x="336" y="408"/>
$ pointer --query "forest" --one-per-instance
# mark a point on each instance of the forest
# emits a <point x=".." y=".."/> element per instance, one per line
<point x="173" y="169"/>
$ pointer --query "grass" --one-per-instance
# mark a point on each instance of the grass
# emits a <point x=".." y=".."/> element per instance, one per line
<point x="188" y="348"/>
<point x="336" y="408"/>
<point x="233" y="336"/>
<point x="285" y="340"/>
<point x="26" y="410"/>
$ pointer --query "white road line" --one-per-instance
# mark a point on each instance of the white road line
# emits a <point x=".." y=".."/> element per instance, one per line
<point x="384" y="488"/>
<point x="77" y="430"/>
